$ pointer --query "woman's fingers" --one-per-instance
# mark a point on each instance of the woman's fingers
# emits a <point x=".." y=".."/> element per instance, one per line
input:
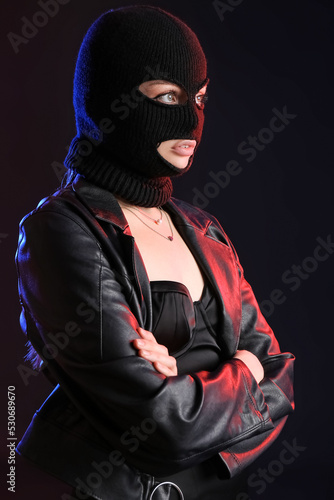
<point x="161" y="361"/>
<point x="157" y="354"/>
<point x="165" y="364"/>
<point x="252" y="362"/>
<point x="149" y="341"/>
<point x="145" y="334"/>
<point x="151" y="346"/>
<point x="165" y="370"/>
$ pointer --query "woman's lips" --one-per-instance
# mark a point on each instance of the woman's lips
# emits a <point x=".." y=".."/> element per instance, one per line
<point x="184" y="148"/>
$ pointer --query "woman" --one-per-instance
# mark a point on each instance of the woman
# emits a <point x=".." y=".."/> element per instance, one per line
<point x="168" y="380"/>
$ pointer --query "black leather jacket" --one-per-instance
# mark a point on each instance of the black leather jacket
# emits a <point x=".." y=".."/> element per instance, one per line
<point x="112" y="422"/>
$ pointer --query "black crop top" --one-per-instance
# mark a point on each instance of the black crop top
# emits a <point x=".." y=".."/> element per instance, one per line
<point x="188" y="329"/>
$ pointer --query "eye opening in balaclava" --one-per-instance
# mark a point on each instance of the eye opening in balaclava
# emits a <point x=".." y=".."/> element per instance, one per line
<point x="185" y="97"/>
<point x="124" y="47"/>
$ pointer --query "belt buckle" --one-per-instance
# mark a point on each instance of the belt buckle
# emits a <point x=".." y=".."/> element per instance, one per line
<point x="172" y="484"/>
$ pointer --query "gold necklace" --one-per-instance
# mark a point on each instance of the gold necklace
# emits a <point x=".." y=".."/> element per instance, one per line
<point x="170" y="238"/>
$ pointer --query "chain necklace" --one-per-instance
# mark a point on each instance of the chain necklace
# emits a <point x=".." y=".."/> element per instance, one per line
<point x="170" y="238"/>
<point x="157" y="221"/>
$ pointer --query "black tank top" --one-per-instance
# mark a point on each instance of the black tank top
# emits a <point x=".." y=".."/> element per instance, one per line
<point x="188" y="329"/>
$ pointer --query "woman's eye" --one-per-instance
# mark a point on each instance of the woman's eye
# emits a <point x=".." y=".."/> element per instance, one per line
<point x="201" y="99"/>
<point x="173" y="98"/>
<point x="168" y="98"/>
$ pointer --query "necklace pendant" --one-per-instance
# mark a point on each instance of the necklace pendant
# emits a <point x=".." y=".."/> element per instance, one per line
<point x="158" y="221"/>
<point x="170" y="238"/>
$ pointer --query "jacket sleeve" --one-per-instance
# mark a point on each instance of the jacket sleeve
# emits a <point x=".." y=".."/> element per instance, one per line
<point x="84" y="329"/>
<point x="277" y="385"/>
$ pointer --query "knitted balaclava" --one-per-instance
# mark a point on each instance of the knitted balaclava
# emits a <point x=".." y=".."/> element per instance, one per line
<point x="118" y="127"/>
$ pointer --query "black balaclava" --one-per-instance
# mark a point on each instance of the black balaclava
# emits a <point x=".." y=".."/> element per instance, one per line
<point x="118" y="127"/>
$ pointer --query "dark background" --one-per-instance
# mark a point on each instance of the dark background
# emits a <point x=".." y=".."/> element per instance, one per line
<point x="262" y="55"/>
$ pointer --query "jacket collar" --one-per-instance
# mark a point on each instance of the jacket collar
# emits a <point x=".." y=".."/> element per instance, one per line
<point x="104" y="205"/>
<point x="101" y="202"/>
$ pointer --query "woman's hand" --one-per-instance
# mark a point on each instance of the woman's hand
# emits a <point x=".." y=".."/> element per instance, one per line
<point x="252" y="362"/>
<point x="148" y="348"/>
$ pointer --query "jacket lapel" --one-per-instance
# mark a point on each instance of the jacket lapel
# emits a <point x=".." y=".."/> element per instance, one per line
<point x="106" y="209"/>
<point x="216" y="259"/>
